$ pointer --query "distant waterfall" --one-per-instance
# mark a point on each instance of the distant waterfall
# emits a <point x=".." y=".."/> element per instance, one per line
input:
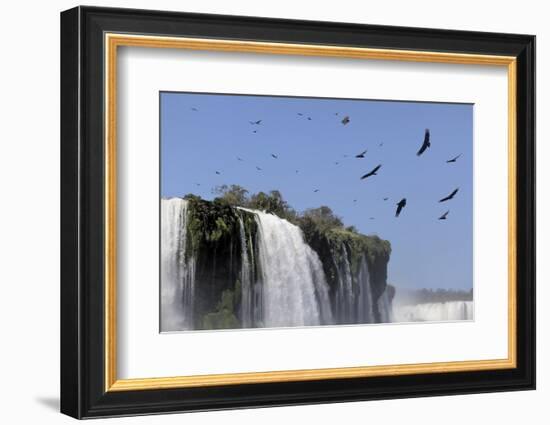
<point x="435" y="312"/>
<point x="247" y="294"/>
<point x="385" y="307"/>
<point x="177" y="271"/>
<point x="365" y="312"/>
<point x="294" y="289"/>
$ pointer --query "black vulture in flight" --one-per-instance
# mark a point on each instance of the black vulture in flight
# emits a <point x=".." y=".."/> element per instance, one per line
<point x="346" y="120"/>
<point x="372" y="172"/>
<point x="400" y="205"/>
<point x="426" y="143"/>
<point x="361" y="155"/>
<point x="255" y="122"/>
<point x="274" y="156"/>
<point x="444" y="216"/>
<point x="453" y="159"/>
<point x="450" y="196"/>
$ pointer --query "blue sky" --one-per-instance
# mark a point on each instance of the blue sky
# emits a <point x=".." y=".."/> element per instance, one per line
<point x="426" y="252"/>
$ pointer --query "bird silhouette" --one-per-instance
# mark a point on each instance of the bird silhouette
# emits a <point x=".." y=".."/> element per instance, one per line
<point x="316" y="190"/>
<point x="385" y="199"/>
<point x="258" y="168"/>
<point x="218" y="173"/>
<point x="355" y="200"/>
<point x="372" y="172"/>
<point x="426" y="144"/>
<point x="309" y="118"/>
<point x="450" y="196"/>
<point x="300" y="114"/>
<point x="381" y="144"/>
<point x="444" y="216"/>
<point x="255" y="122"/>
<point x="255" y="131"/>
<point x="371" y="218"/>
<point x="194" y="109"/>
<point x="346" y="120"/>
<point x="400" y="205"/>
<point x="297" y="171"/>
<point x="240" y="159"/>
<point x="336" y="163"/>
<point x="361" y="155"/>
<point x="453" y="159"/>
<point x="274" y="156"/>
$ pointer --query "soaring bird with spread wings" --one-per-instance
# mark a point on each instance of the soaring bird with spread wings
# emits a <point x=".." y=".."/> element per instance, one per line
<point x="444" y="216"/>
<point x="361" y="155"/>
<point x="453" y="159"/>
<point x="450" y="196"/>
<point x="372" y="172"/>
<point x="426" y="144"/>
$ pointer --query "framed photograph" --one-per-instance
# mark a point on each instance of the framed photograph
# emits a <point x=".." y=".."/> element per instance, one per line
<point x="261" y="212"/>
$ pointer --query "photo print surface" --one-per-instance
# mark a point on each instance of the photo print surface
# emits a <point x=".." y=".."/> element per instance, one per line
<point x="300" y="211"/>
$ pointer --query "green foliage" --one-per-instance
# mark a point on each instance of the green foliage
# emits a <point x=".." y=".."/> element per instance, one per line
<point x="233" y="195"/>
<point x="224" y="316"/>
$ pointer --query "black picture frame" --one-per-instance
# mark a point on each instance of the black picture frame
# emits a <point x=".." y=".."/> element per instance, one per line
<point x="83" y="392"/>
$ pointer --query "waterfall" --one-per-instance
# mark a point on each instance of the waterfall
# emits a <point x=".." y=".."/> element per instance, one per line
<point x="385" y="307"/>
<point x="365" y="312"/>
<point x="435" y="312"/>
<point x="177" y="271"/>
<point x="294" y="290"/>
<point x="344" y="291"/>
<point x="247" y="296"/>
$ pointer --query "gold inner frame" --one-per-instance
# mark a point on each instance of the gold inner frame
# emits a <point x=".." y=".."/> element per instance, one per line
<point x="113" y="41"/>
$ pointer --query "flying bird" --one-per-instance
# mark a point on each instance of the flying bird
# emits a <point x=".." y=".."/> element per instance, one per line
<point x="426" y="144"/>
<point x="372" y="172"/>
<point x="400" y="205"/>
<point x="198" y="184"/>
<point x="316" y="190"/>
<point x="362" y="154"/>
<point x="371" y="218"/>
<point x="255" y="131"/>
<point x="385" y="199"/>
<point x="346" y="120"/>
<point x="194" y="109"/>
<point x="444" y="216"/>
<point x="300" y="114"/>
<point x="453" y="159"/>
<point x="336" y="113"/>
<point x="336" y="163"/>
<point x="218" y="173"/>
<point x="355" y="200"/>
<point x="297" y="171"/>
<point x="258" y="168"/>
<point x="450" y="196"/>
<point x="240" y="159"/>
<point x="274" y="156"/>
<point x="255" y="122"/>
<point x="309" y="118"/>
<point x="381" y="144"/>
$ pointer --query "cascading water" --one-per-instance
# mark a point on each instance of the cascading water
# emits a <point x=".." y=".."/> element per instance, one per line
<point x="435" y="312"/>
<point x="294" y="290"/>
<point x="177" y="271"/>
<point x="344" y="291"/>
<point x="247" y="294"/>
<point x="385" y="307"/>
<point x="365" y="312"/>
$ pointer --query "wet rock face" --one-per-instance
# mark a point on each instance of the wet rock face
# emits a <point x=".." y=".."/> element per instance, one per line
<point x="224" y="242"/>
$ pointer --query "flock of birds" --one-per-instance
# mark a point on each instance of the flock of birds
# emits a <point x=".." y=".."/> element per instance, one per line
<point x="403" y="202"/>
